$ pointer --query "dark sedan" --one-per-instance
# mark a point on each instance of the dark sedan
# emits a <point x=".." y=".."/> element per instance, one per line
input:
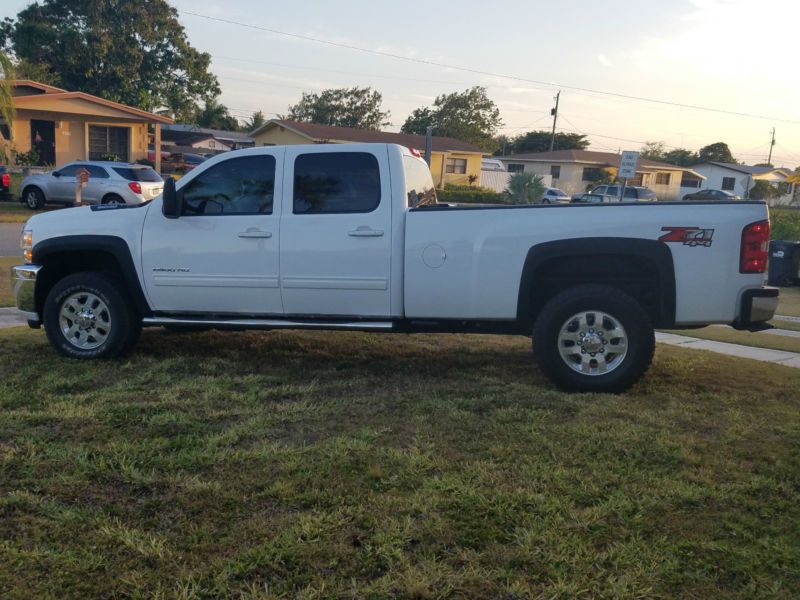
<point x="711" y="196"/>
<point x="5" y="183"/>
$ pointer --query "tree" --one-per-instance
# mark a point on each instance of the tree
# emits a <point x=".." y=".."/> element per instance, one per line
<point x="539" y="141"/>
<point x="128" y="51"/>
<point x="215" y="116"/>
<point x="718" y="152"/>
<point x="6" y="96"/>
<point x="653" y="151"/>
<point x="255" y="121"/>
<point x="681" y="157"/>
<point x="342" y="107"/>
<point x="469" y="115"/>
<point x="526" y="188"/>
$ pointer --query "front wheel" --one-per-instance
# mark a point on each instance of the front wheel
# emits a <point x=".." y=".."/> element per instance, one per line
<point x="593" y="338"/>
<point x="86" y="315"/>
<point x="34" y="198"/>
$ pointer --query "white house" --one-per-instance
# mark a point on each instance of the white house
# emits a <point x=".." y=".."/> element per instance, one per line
<point x="740" y="179"/>
<point x="576" y="170"/>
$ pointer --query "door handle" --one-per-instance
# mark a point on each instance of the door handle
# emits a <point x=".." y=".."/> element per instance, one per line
<point x="255" y="233"/>
<point x="365" y="231"/>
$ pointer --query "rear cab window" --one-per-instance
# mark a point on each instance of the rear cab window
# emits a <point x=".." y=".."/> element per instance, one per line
<point x="336" y="182"/>
<point x="420" y="190"/>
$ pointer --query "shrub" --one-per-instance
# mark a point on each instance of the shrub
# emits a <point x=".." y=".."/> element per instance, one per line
<point x="471" y="194"/>
<point x="785" y="224"/>
<point x="526" y="188"/>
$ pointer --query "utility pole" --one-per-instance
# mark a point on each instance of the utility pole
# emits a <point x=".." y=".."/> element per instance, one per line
<point x="771" y="145"/>
<point x="554" y="112"/>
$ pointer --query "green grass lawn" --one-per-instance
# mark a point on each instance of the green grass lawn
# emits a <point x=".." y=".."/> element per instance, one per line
<point x="6" y="262"/>
<point x="789" y="302"/>
<point x="311" y="465"/>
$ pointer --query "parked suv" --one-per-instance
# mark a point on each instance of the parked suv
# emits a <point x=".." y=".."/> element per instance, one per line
<point x="611" y="193"/>
<point x="109" y="183"/>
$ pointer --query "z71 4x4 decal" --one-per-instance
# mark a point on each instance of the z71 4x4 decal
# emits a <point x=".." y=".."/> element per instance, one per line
<point x="688" y="236"/>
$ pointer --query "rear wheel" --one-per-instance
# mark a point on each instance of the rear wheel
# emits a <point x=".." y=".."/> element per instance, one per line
<point x="593" y="338"/>
<point x="33" y="198"/>
<point x="86" y="315"/>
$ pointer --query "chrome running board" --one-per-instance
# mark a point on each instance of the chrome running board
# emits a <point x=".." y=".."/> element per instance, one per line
<point x="271" y="323"/>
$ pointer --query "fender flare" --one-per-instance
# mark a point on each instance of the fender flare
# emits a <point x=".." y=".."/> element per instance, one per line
<point x="113" y="245"/>
<point x="656" y="252"/>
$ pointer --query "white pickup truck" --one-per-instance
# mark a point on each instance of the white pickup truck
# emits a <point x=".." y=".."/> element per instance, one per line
<point x="351" y="237"/>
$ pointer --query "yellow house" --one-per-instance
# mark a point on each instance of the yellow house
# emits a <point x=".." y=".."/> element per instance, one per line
<point x="452" y="160"/>
<point x="65" y="126"/>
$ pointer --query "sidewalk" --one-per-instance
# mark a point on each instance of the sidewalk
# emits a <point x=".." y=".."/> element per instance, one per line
<point x="778" y="357"/>
<point x="11" y="317"/>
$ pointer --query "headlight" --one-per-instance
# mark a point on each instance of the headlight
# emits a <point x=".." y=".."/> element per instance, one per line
<point x="26" y="243"/>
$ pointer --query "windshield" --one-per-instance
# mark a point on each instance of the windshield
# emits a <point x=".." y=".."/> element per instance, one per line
<point x="144" y="174"/>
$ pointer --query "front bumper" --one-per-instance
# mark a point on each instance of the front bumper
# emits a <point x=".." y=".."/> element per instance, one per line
<point x="758" y="306"/>
<point x="23" y="282"/>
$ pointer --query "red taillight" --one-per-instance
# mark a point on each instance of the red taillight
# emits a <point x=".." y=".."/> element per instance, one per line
<point x="755" y="248"/>
<point x="6" y="179"/>
<point x="415" y="152"/>
<point x="136" y="188"/>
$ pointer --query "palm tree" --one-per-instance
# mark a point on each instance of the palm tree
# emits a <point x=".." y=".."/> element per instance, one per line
<point x="6" y="100"/>
<point x="526" y="188"/>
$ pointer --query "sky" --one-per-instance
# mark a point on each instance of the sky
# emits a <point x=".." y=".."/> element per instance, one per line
<point x="728" y="55"/>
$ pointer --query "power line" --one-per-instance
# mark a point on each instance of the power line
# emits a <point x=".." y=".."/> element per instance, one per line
<point x="434" y="63"/>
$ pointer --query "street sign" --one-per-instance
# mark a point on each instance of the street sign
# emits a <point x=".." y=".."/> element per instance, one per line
<point x="627" y="164"/>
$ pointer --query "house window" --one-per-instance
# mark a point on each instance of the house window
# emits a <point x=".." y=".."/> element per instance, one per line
<point x="689" y="182"/>
<point x="592" y="174"/>
<point x="728" y="183"/>
<point x="5" y="131"/>
<point x="211" y="144"/>
<point x="106" y="142"/>
<point x="555" y="171"/>
<point x="515" y="168"/>
<point x="458" y="166"/>
<point x="342" y="182"/>
<point x="636" y="180"/>
<point x="663" y="178"/>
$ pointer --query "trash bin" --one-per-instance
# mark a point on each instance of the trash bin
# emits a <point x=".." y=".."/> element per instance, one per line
<point x="784" y="262"/>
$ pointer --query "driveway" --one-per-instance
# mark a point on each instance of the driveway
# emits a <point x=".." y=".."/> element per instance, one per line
<point x="9" y="238"/>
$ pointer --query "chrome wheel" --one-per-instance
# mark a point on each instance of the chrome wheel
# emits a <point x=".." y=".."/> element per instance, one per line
<point x="592" y="342"/>
<point x="85" y="320"/>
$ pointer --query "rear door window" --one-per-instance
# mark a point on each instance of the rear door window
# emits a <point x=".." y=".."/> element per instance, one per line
<point x="96" y="172"/>
<point x="336" y="182"/>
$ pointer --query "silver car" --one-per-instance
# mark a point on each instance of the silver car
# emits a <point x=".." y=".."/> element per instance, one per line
<point x="109" y="183"/>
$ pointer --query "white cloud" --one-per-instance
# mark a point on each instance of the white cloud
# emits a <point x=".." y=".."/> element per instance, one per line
<point x="604" y="60"/>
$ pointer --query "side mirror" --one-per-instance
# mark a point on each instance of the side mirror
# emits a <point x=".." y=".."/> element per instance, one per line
<point x="56" y="174"/>
<point x="171" y="200"/>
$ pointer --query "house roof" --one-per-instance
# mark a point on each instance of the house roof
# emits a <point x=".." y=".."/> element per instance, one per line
<point x="43" y="87"/>
<point x="318" y="133"/>
<point x="608" y="159"/>
<point x="746" y="169"/>
<point x="219" y="134"/>
<point x="53" y="95"/>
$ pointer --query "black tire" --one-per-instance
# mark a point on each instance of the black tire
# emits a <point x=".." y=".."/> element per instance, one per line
<point x="616" y="304"/>
<point x="33" y="197"/>
<point x="113" y="199"/>
<point x="121" y="325"/>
